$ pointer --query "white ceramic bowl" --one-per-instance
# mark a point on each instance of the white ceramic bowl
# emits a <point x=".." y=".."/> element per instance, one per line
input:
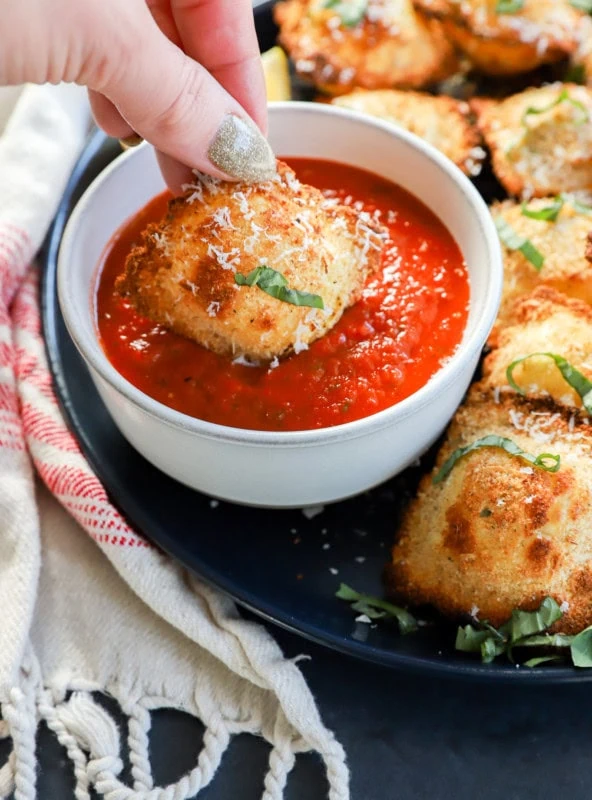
<point x="301" y="468"/>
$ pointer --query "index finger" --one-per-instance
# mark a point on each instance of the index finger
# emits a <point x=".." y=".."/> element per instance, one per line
<point x="220" y="35"/>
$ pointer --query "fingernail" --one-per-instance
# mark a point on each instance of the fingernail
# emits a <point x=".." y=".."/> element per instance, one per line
<point x="131" y="141"/>
<point x="241" y="151"/>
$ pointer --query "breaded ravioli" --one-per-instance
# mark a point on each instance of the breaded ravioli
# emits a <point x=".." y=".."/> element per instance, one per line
<point x="185" y="275"/>
<point x="442" y="121"/>
<point x="380" y="44"/>
<point x="540" y="139"/>
<point x="561" y="244"/>
<point x="499" y="533"/>
<point x="546" y="321"/>
<point x="532" y="33"/>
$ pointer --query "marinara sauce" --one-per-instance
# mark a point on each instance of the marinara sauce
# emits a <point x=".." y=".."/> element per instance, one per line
<point x="409" y="321"/>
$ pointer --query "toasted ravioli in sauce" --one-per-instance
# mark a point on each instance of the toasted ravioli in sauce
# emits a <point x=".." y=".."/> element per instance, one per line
<point x="562" y="245"/>
<point x="183" y="275"/>
<point x="442" y="121"/>
<point x="540" y="139"/>
<point x="387" y="45"/>
<point x="499" y="533"/>
<point x="546" y="321"/>
<point x="497" y="43"/>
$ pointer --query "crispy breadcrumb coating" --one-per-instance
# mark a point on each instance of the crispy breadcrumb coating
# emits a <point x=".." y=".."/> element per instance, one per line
<point x="442" y="121"/>
<point x="183" y="274"/>
<point x="540" y="139"/>
<point x="390" y="47"/>
<point x="539" y="32"/>
<point x="497" y="533"/>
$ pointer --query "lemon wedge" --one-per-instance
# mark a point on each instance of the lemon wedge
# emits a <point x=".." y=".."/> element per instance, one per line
<point x="277" y="74"/>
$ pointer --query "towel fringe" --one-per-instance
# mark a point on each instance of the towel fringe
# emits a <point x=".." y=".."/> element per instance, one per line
<point x="91" y="738"/>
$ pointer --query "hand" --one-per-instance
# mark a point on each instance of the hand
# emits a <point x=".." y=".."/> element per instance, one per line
<point x="183" y="74"/>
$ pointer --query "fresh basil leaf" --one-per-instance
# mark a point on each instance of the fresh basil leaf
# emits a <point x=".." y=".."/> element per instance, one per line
<point x="545" y="640"/>
<point x="581" y="649"/>
<point x="362" y="607"/>
<point x="407" y="622"/>
<point x="509" y="6"/>
<point x="582" y="5"/>
<point x="546" y="214"/>
<point x="470" y="639"/>
<point x="572" y="376"/>
<point x="275" y="284"/>
<point x="490" y="649"/>
<point x="508" y="445"/>
<point x="528" y="623"/>
<point x="563" y="97"/>
<point x="536" y="662"/>
<point x="515" y="241"/>
<point x="352" y="12"/>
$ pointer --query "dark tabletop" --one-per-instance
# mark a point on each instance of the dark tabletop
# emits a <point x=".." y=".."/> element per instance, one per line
<point x="406" y="737"/>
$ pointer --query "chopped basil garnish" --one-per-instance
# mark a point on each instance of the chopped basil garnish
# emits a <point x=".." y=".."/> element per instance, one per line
<point x="515" y="241"/>
<point x="524" y="629"/>
<point x="582" y="5"/>
<point x="546" y="214"/>
<point x="536" y="662"/>
<point x="581" y="648"/>
<point x="509" y="6"/>
<point x="574" y="377"/>
<point x="523" y="624"/>
<point x="510" y="447"/>
<point x="351" y="13"/>
<point x="273" y="283"/>
<point x="375" y="608"/>
<point x="563" y="97"/>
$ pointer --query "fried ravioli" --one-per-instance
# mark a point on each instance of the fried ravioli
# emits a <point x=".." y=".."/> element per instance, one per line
<point x="497" y="43"/>
<point x="386" y="46"/>
<point x="546" y="321"/>
<point x="183" y="274"/>
<point x="498" y="533"/>
<point x="540" y="139"/>
<point x="442" y="121"/>
<point x="561" y="243"/>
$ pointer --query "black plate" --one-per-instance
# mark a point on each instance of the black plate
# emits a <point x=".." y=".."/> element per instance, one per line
<point x="279" y="564"/>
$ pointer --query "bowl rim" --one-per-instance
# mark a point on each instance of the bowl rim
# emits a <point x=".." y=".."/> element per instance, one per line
<point x="438" y="383"/>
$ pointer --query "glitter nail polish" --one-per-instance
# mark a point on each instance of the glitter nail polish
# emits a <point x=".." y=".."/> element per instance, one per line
<point x="241" y="151"/>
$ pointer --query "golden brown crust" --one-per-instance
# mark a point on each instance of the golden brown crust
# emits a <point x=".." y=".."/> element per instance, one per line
<point x="183" y="274"/>
<point x="541" y="154"/>
<point x="541" y="32"/>
<point x="562" y="243"/>
<point x="545" y="321"/>
<point x="498" y="534"/>
<point x="391" y="47"/>
<point x="442" y="121"/>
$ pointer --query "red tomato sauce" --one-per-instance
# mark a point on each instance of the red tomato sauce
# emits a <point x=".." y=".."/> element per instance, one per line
<point x="410" y="319"/>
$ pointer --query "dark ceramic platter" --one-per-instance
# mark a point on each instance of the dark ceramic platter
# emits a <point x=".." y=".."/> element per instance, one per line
<point x="279" y="564"/>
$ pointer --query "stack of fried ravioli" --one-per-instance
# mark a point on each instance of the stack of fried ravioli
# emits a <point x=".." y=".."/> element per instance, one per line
<point x="505" y="518"/>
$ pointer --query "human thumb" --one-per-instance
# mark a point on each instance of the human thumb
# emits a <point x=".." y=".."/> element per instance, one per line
<point x="174" y="103"/>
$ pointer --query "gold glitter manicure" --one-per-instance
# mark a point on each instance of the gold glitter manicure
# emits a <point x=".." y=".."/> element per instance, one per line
<point x="241" y="151"/>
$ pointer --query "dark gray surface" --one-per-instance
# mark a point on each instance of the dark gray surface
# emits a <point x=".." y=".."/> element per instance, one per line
<point x="406" y="737"/>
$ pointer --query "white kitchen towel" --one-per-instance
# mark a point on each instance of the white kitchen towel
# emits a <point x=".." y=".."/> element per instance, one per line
<point x="89" y="605"/>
